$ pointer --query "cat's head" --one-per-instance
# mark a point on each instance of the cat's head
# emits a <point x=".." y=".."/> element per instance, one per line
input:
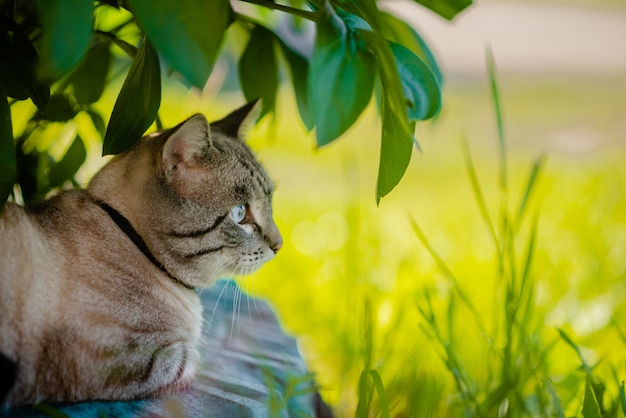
<point x="198" y="196"/>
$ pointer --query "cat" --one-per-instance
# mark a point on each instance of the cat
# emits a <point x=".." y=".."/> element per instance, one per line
<point x="97" y="297"/>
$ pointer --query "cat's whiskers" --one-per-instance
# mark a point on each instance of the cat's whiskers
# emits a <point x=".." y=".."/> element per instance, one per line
<point x="251" y="291"/>
<point x="244" y="278"/>
<point x="220" y="270"/>
<point x="236" y="303"/>
<point x="246" y="283"/>
<point x="226" y="284"/>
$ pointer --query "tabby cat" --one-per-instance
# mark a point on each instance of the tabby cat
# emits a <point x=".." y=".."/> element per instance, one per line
<point x="97" y="295"/>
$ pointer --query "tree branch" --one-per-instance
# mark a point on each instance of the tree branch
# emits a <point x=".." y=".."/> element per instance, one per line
<point x="312" y="16"/>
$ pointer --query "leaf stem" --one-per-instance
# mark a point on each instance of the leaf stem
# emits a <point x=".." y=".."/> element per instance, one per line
<point x="129" y="49"/>
<point x="312" y="16"/>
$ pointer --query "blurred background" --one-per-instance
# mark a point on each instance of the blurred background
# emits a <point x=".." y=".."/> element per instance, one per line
<point x="352" y="277"/>
<point x="349" y="266"/>
<point x="561" y="69"/>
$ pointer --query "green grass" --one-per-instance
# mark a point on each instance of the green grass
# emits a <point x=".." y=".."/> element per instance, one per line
<point x="465" y="292"/>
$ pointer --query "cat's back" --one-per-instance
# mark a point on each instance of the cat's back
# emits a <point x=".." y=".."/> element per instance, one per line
<point x="71" y="279"/>
<point x="29" y="272"/>
<point x="24" y="248"/>
<point x="31" y="237"/>
<point x="38" y="244"/>
<point x="51" y="246"/>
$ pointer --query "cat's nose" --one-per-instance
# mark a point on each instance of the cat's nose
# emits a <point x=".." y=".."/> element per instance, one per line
<point x="277" y="245"/>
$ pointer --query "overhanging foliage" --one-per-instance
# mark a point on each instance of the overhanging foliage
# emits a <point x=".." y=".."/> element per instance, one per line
<point x="59" y="54"/>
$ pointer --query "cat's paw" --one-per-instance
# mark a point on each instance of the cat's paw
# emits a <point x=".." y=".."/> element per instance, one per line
<point x="174" y="368"/>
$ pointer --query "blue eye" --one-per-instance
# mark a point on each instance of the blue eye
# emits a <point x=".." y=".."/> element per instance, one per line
<point x="238" y="213"/>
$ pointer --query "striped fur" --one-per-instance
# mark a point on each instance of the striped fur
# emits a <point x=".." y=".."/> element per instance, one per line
<point x="85" y="312"/>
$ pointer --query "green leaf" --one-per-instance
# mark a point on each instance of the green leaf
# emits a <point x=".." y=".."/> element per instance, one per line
<point x="419" y="84"/>
<point x="59" y="109"/>
<point x="67" y="26"/>
<point x="187" y="33"/>
<point x="299" y="67"/>
<point x="353" y="21"/>
<point x="591" y="407"/>
<point x="258" y="70"/>
<point x="18" y="60"/>
<point x="97" y="121"/>
<point x="137" y="104"/>
<point x="397" y="132"/>
<point x="446" y="8"/>
<point x="68" y="166"/>
<point x="341" y="77"/>
<point x="27" y="174"/>
<point x="7" y="148"/>
<point x="89" y="77"/>
<point x="399" y="31"/>
<point x="395" y="151"/>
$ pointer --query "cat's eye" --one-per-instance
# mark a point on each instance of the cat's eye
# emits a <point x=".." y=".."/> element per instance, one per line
<point x="241" y="214"/>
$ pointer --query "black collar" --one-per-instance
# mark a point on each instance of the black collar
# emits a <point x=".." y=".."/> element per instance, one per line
<point x="126" y="227"/>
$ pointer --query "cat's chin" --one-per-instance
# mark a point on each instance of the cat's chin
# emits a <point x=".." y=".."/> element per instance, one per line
<point x="241" y="270"/>
<point x="247" y="269"/>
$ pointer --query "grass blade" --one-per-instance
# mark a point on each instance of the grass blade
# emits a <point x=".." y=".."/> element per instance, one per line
<point x="591" y="407"/>
<point x="572" y="344"/>
<point x="620" y="332"/>
<point x="451" y="276"/>
<point x="362" y="407"/>
<point x="441" y="264"/>
<point x="556" y="402"/>
<point x="364" y="398"/>
<point x="622" y="396"/>
<point x="495" y="96"/>
<point x="528" y="260"/>
<point x="435" y="256"/>
<point x="478" y="194"/>
<point x="380" y="390"/>
<point x="530" y="187"/>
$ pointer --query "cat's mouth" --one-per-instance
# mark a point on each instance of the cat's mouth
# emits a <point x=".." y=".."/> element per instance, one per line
<point x="251" y="262"/>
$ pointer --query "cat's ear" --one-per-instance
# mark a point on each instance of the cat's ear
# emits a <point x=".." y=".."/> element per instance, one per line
<point x="237" y="123"/>
<point x="187" y="144"/>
